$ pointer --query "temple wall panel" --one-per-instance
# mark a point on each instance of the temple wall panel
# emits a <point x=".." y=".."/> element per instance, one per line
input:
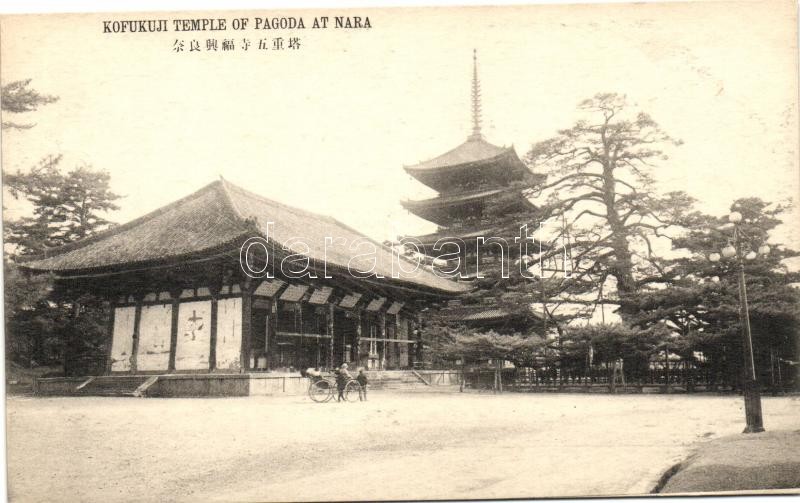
<point x="155" y="328"/>
<point x="122" y="338"/>
<point x="194" y="336"/>
<point x="229" y="333"/>
<point x="402" y="355"/>
<point x="402" y="327"/>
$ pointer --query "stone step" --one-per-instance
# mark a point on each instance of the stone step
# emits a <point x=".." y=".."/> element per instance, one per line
<point x="112" y="386"/>
<point x="396" y="383"/>
<point x="111" y="393"/>
<point x="395" y="380"/>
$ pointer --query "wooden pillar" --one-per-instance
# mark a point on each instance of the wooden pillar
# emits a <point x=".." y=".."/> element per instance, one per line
<point x="397" y="351"/>
<point x="173" y="335"/>
<point x="267" y="332"/>
<point x="300" y="349"/>
<point x="382" y="325"/>
<point x="420" y="356"/>
<point x="212" y="353"/>
<point x="387" y="346"/>
<point x="137" y="318"/>
<point x="247" y="305"/>
<point x="331" y="327"/>
<point x="272" y="332"/>
<point x="357" y="343"/>
<point x="110" y="331"/>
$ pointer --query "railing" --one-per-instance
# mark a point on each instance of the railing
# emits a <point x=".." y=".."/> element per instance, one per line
<point x="601" y="379"/>
<point x="283" y="333"/>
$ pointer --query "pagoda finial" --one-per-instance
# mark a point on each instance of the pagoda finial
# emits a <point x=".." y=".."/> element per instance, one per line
<point x="476" y="99"/>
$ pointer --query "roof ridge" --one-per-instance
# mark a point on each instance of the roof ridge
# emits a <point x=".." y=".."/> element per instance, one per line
<point x="229" y="199"/>
<point x="116" y="229"/>
<point x="285" y="206"/>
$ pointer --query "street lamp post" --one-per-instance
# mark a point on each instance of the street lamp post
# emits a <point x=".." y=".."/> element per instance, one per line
<point x="752" y="397"/>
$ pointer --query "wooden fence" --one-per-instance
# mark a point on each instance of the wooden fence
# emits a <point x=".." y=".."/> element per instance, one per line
<point x="603" y="380"/>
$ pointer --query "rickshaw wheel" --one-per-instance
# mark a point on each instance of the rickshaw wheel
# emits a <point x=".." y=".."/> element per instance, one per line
<point x="351" y="391"/>
<point x="320" y="391"/>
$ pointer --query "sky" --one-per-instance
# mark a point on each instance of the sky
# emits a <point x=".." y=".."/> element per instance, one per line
<point x="329" y="126"/>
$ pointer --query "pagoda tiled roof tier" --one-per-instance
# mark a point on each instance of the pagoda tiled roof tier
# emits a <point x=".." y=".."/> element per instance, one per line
<point x="471" y="163"/>
<point x="448" y="208"/>
<point x="469" y="236"/>
<point x="478" y="314"/>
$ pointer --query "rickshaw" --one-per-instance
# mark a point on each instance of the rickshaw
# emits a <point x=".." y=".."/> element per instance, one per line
<point x="323" y="389"/>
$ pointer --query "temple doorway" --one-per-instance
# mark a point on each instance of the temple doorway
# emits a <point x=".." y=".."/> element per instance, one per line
<point x="259" y="348"/>
<point x="345" y="349"/>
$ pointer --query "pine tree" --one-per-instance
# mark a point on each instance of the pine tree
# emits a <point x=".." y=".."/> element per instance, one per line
<point x="701" y="303"/>
<point x="601" y="191"/>
<point x="66" y="208"/>
<point x="18" y="98"/>
<point x="43" y="325"/>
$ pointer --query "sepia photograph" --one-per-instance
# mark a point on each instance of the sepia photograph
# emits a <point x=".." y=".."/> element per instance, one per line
<point x="389" y="253"/>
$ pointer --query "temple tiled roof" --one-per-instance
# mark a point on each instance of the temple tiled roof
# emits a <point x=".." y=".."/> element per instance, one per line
<point x="201" y="221"/>
<point x="220" y="216"/>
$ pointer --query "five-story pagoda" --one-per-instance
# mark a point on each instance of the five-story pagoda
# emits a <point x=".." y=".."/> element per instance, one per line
<point x="475" y="182"/>
<point x="480" y="209"/>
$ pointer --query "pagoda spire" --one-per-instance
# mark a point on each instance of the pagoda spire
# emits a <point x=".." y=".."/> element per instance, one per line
<point x="476" y="100"/>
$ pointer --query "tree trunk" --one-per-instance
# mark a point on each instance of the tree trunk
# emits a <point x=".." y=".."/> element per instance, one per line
<point x="74" y="313"/>
<point x="622" y="267"/>
<point x="772" y="371"/>
<point x="463" y="375"/>
<point x="613" y="385"/>
<point x="500" y="376"/>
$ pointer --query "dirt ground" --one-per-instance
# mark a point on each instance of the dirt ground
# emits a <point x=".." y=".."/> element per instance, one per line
<point x="396" y="446"/>
<point x="769" y="460"/>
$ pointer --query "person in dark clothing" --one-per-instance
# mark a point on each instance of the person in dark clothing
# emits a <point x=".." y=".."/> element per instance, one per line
<point x="342" y="378"/>
<point x="312" y="373"/>
<point x="362" y="380"/>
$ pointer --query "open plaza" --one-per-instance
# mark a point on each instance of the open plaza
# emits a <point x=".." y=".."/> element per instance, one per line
<point x="396" y="446"/>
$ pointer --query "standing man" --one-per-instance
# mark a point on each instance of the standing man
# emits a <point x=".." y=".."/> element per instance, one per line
<point x="362" y="380"/>
<point x="342" y="378"/>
